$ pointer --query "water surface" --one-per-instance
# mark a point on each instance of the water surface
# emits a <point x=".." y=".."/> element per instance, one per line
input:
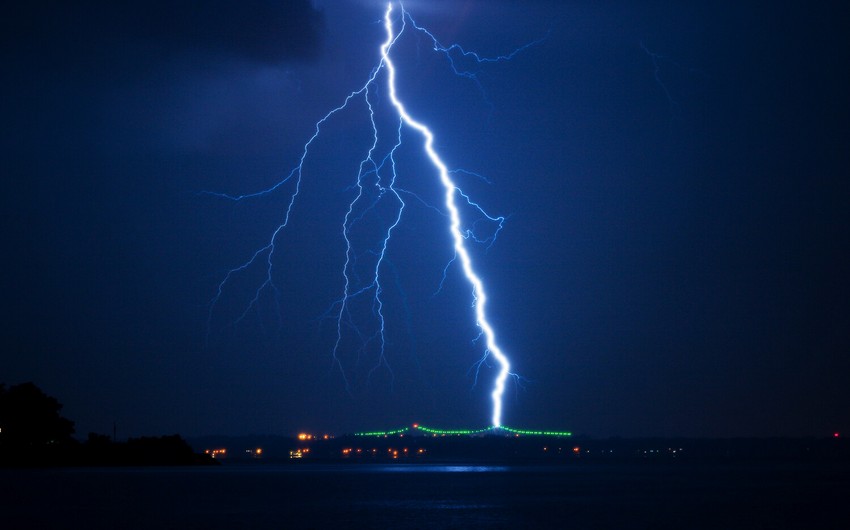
<point x="580" y="495"/>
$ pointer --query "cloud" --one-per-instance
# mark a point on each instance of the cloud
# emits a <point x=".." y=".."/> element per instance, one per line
<point x="260" y="30"/>
<point x="263" y="31"/>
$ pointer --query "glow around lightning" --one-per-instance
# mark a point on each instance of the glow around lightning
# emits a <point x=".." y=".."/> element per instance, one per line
<point x="459" y="241"/>
<point x="381" y="167"/>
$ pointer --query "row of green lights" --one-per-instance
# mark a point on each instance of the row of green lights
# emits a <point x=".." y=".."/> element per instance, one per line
<point x="430" y="430"/>
<point x="536" y="433"/>
<point x="383" y="433"/>
<point x="462" y="432"/>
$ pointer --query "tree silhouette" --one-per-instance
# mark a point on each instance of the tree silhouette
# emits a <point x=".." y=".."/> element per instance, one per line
<point x="30" y="424"/>
<point x="34" y="434"/>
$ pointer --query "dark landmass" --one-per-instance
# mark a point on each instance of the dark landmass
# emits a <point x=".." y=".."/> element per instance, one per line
<point x="34" y="434"/>
<point x="171" y="450"/>
<point x="499" y="449"/>
<point x="101" y="451"/>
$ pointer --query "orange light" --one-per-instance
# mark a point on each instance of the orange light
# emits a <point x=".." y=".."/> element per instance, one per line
<point x="576" y="449"/>
<point x="415" y="425"/>
<point x="259" y="451"/>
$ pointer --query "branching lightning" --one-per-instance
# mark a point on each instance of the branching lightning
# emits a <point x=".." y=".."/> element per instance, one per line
<point x="376" y="186"/>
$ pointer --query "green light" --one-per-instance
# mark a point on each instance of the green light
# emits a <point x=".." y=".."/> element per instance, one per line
<point x="453" y="432"/>
<point x="383" y="433"/>
<point x="536" y="433"/>
<point x="465" y="432"/>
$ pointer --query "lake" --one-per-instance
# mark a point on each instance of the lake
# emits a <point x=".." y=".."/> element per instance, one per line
<point x="652" y="494"/>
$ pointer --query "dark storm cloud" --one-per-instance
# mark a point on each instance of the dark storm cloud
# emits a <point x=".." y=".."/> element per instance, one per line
<point x="256" y="30"/>
<point x="125" y="66"/>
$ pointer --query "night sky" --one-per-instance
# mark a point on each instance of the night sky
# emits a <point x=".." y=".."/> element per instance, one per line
<point x="674" y="177"/>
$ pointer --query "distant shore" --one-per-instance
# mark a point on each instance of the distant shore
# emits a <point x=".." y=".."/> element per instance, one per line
<point x="490" y="449"/>
<point x="100" y="451"/>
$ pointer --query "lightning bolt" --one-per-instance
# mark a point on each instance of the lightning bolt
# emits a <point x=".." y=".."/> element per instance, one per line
<point x="375" y="188"/>
<point x="478" y="293"/>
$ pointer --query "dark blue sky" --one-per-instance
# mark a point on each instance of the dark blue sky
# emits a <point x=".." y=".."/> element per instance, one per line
<point x="674" y="261"/>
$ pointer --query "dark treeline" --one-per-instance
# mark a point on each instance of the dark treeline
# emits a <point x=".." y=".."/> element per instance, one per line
<point x="34" y="434"/>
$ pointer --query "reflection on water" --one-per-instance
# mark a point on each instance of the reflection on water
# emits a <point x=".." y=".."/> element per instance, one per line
<point x="434" y="468"/>
<point x="439" y="504"/>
